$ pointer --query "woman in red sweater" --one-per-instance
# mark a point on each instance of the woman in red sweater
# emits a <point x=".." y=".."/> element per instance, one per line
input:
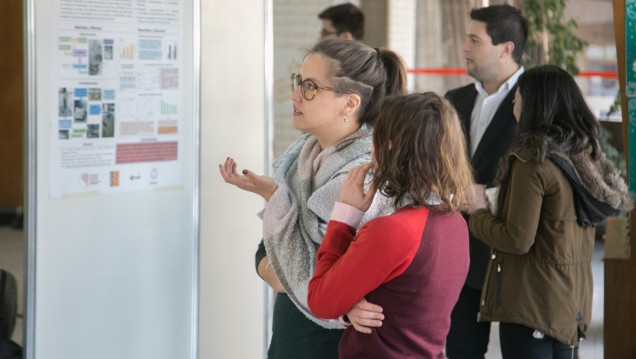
<point x="412" y="263"/>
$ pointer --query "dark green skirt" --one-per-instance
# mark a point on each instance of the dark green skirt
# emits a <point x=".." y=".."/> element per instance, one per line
<point x="294" y="336"/>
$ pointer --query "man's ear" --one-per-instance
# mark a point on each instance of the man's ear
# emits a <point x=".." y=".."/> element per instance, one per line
<point x="508" y="48"/>
<point x="346" y="35"/>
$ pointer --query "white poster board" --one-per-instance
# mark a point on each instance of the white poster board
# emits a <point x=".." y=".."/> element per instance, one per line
<point x="112" y="163"/>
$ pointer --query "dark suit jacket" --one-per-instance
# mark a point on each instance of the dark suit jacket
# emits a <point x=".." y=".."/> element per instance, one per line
<point x="493" y="145"/>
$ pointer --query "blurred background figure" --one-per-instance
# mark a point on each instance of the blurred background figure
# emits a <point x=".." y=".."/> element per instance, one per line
<point x="345" y="21"/>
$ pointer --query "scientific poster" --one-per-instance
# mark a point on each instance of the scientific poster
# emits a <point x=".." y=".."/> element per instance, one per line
<point x="117" y="81"/>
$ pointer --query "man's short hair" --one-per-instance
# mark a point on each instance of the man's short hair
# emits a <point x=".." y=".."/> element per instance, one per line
<point x="504" y="23"/>
<point x="345" y="18"/>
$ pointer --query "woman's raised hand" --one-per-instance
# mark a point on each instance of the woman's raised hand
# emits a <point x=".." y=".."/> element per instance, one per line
<point x="264" y="186"/>
<point x="352" y="192"/>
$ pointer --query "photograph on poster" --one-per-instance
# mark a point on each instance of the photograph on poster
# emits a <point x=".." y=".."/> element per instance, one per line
<point x="108" y="49"/>
<point x="94" y="94"/>
<point x="63" y="134"/>
<point x="95" y="59"/>
<point x="80" y="110"/>
<point x="108" y="120"/>
<point x="92" y="131"/>
<point x="65" y="108"/>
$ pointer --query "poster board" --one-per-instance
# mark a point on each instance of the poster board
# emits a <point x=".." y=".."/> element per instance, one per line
<point x="112" y="163"/>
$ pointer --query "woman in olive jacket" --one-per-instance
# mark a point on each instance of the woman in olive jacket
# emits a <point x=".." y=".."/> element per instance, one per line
<point x="555" y="186"/>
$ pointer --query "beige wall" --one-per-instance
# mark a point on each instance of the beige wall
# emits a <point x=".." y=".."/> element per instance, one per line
<point x="232" y="124"/>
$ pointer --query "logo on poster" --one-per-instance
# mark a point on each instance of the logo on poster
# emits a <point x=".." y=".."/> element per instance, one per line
<point x="114" y="178"/>
<point x="89" y="179"/>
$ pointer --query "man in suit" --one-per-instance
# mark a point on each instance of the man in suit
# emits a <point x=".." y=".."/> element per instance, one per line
<point x="493" y="46"/>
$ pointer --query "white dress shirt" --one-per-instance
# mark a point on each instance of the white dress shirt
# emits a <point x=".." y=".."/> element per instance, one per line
<point x="485" y="107"/>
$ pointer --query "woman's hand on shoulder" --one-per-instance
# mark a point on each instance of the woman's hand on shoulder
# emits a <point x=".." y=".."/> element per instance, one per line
<point x="264" y="186"/>
<point x="364" y="316"/>
<point x="352" y="192"/>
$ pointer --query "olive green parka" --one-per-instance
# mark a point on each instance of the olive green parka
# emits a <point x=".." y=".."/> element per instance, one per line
<point x="540" y="273"/>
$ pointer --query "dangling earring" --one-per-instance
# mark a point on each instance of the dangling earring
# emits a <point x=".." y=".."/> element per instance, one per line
<point x="345" y="119"/>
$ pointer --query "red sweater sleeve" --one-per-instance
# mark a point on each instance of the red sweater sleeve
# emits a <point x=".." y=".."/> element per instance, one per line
<point x="349" y="267"/>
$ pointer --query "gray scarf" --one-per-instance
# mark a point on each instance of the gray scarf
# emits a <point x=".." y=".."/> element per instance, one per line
<point x="296" y="216"/>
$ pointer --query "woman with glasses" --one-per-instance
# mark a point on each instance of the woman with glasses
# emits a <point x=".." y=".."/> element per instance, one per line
<point x="336" y="97"/>
<point x="555" y="187"/>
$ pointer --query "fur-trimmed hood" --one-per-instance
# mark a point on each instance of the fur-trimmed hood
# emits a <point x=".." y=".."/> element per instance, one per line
<point x="600" y="178"/>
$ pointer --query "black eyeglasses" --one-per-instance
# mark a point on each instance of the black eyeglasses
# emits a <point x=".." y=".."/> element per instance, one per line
<point x="308" y="88"/>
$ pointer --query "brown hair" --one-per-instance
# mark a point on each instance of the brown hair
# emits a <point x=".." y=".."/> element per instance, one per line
<point x="420" y="150"/>
<point x="371" y="73"/>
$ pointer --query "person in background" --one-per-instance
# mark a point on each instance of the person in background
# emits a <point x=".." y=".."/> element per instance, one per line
<point x="345" y="21"/>
<point x="336" y="98"/>
<point x="555" y="186"/>
<point x="412" y="263"/>
<point x="493" y="46"/>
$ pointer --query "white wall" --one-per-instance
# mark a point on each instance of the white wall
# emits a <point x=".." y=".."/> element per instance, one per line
<point x="232" y="124"/>
<point x="402" y="19"/>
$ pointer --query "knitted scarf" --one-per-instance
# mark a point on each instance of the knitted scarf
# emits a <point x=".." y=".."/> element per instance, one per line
<point x="295" y="218"/>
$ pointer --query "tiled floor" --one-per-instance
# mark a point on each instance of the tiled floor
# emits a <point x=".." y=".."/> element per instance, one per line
<point x="12" y="259"/>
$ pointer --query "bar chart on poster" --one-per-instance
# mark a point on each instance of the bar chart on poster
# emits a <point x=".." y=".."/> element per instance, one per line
<point x="112" y="186"/>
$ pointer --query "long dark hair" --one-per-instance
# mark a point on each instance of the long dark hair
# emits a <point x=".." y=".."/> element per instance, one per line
<point x="554" y="114"/>
<point x="370" y="73"/>
<point x="556" y="121"/>
<point x="420" y="149"/>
